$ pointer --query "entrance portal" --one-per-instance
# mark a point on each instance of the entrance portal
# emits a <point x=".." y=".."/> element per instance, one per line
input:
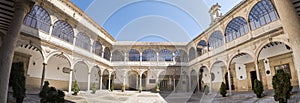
<point x="253" y="77"/>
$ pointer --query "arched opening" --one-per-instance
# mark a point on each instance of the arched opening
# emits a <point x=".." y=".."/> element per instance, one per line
<point x="117" y="56"/>
<point x="242" y="71"/>
<point x="97" y="48"/>
<point x="63" y="30"/>
<point x="215" y="40"/>
<point x="193" y="80"/>
<point x="144" y="79"/>
<point x="38" y="18"/>
<point x="149" y="55"/>
<point x="32" y="60"/>
<point x="273" y="57"/>
<point x="134" y="55"/>
<point x="132" y="80"/>
<point x="106" y="54"/>
<point x="95" y="77"/>
<point x="54" y="71"/>
<point x="218" y="71"/>
<point x="261" y="14"/>
<point x="185" y="81"/>
<point x="83" y="41"/>
<point x="165" y="55"/>
<point x="181" y="56"/>
<point x="236" y="28"/>
<point x="192" y="53"/>
<point x="163" y="82"/>
<point x="201" y="47"/>
<point x="80" y="74"/>
<point x="203" y="74"/>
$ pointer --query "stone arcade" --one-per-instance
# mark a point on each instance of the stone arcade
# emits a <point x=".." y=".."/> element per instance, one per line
<point x="252" y="41"/>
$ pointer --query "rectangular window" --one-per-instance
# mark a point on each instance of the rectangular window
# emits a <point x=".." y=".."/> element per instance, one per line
<point x="284" y="67"/>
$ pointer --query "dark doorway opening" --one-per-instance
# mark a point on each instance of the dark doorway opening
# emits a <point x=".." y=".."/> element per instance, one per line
<point x="253" y="77"/>
<point x="227" y="82"/>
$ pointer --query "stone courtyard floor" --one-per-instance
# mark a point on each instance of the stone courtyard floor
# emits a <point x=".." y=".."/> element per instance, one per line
<point x="236" y="97"/>
<point x="105" y="96"/>
<point x="116" y="97"/>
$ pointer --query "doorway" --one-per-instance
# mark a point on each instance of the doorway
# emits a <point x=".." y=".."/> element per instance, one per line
<point x="253" y="77"/>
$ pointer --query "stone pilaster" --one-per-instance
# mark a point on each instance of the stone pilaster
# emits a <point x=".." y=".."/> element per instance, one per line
<point x="291" y="24"/>
<point x="9" y="43"/>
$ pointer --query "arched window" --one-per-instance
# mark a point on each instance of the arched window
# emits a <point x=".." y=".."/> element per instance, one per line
<point x="38" y="18"/>
<point x="192" y="54"/>
<point x="261" y="14"/>
<point x="181" y="56"/>
<point x="215" y="40"/>
<point x="134" y="55"/>
<point x="165" y="55"/>
<point x="106" y="54"/>
<point x="237" y="27"/>
<point x="117" y="56"/>
<point x="63" y="30"/>
<point x="201" y="47"/>
<point x="83" y="41"/>
<point x="97" y="48"/>
<point x="149" y="55"/>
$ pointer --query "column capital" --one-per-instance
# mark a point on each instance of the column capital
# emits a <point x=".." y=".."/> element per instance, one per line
<point x="24" y="4"/>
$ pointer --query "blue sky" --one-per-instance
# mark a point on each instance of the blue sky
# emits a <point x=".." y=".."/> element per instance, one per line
<point x="152" y="20"/>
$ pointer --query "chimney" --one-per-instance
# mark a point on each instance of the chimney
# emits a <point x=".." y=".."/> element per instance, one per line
<point x="215" y="13"/>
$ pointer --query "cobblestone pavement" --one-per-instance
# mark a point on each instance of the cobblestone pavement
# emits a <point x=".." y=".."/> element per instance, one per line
<point x="236" y="97"/>
<point x="170" y="97"/>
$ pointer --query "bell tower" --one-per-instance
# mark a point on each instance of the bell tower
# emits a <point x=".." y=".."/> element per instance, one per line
<point x="215" y="13"/>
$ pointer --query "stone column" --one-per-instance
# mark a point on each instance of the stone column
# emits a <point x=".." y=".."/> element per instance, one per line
<point x="285" y="9"/>
<point x="140" y="85"/>
<point x="173" y="57"/>
<point x="70" y="81"/>
<point x="103" y="48"/>
<point x="257" y="70"/>
<point x="9" y="44"/>
<point x="43" y="75"/>
<point x="124" y="82"/>
<point x="125" y="55"/>
<point x="229" y="81"/>
<point x="101" y="82"/>
<point x="157" y="57"/>
<point x="210" y="84"/>
<point x="174" y="84"/>
<point x="89" y="82"/>
<point x="198" y="86"/>
<point x="110" y="58"/>
<point x="190" y="82"/>
<point x="109" y="78"/>
<point x="141" y="54"/>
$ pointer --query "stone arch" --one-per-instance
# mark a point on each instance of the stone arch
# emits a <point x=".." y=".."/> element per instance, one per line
<point x="192" y="53"/>
<point x="193" y="80"/>
<point x="95" y="77"/>
<point x="30" y="45"/>
<point x="232" y="56"/>
<point x="185" y="81"/>
<point x="80" y="74"/>
<point x="117" y="55"/>
<point x="56" y="62"/>
<point x="262" y="9"/>
<point x="217" y="72"/>
<point x="132" y="80"/>
<point x="274" y="55"/>
<point x="214" y="61"/>
<point x="32" y="59"/>
<point x="241" y="67"/>
<point x="58" y="53"/>
<point x="264" y="43"/>
<point x="236" y="28"/>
